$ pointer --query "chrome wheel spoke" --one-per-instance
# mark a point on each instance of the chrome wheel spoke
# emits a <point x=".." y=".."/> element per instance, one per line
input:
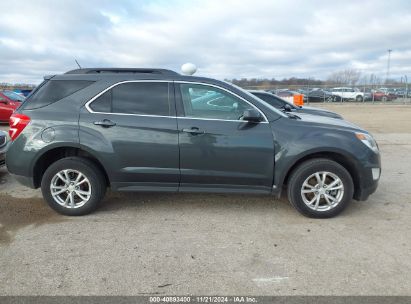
<point x="335" y="182"/>
<point x="328" y="200"/>
<point x="58" y="192"/>
<point x="71" y="200"/>
<point x="317" y="176"/>
<point x="81" y="182"/>
<point x="63" y="179"/>
<point x="79" y="176"/>
<point x="335" y="188"/>
<point x="317" y="202"/>
<point x="324" y="177"/>
<point x="308" y="191"/>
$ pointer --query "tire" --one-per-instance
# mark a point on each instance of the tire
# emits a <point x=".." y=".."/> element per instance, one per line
<point x="86" y="194"/>
<point x="384" y="99"/>
<point x="324" y="209"/>
<point x="359" y="98"/>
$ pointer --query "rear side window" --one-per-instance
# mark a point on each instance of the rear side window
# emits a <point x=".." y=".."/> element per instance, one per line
<point x="142" y="98"/>
<point x="54" y="90"/>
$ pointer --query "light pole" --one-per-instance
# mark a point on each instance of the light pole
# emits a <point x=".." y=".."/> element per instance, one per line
<point x="388" y="66"/>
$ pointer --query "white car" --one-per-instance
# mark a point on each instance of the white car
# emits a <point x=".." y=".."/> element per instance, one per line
<point x="347" y="93"/>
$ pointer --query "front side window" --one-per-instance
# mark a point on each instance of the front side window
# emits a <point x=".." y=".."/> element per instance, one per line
<point x="142" y="98"/>
<point x="202" y="101"/>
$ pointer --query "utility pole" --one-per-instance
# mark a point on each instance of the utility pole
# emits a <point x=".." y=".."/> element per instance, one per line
<point x="388" y="65"/>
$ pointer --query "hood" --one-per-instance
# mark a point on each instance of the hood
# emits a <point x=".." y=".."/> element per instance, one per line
<point x="317" y="109"/>
<point x="329" y="122"/>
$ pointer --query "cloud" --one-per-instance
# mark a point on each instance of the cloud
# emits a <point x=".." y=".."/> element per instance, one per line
<point x="225" y="39"/>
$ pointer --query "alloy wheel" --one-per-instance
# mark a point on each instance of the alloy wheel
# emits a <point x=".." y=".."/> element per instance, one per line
<point x="70" y="188"/>
<point x="322" y="191"/>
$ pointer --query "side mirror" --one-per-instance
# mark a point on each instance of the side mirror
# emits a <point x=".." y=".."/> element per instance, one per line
<point x="288" y="108"/>
<point x="252" y="115"/>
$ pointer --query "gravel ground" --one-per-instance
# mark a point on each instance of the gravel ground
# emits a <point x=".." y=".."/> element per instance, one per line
<point x="138" y="244"/>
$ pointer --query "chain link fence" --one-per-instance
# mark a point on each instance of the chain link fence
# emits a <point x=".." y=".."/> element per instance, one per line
<point x="399" y="93"/>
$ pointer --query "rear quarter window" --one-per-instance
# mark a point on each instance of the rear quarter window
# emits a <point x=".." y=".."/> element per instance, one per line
<point x="54" y="90"/>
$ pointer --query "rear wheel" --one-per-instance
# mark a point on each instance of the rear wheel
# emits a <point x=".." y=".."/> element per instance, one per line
<point x="320" y="188"/>
<point x="359" y="98"/>
<point x="73" y="186"/>
<point x="384" y="99"/>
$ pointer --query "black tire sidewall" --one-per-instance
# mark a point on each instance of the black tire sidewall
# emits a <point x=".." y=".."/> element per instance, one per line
<point x="306" y="169"/>
<point x="87" y="168"/>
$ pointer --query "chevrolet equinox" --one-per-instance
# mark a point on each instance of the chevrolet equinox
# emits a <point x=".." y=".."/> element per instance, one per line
<point x="156" y="130"/>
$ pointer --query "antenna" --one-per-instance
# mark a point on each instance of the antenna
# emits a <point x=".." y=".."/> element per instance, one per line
<point x="77" y="63"/>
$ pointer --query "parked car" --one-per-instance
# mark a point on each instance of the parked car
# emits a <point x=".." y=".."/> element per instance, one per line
<point x="284" y="105"/>
<point x="318" y="95"/>
<point x="383" y="96"/>
<point x="23" y="92"/>
<point x="285" y="93"/>
<point x="146" y="130"/>
<point x="3" y="144"/>
<point x="344" y="93"/>
<point x="9" y="101"/>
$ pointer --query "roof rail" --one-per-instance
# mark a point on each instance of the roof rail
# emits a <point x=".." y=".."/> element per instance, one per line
<point x="122" y="71"/>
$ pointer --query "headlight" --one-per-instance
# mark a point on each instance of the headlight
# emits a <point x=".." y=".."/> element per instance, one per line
<point x="367" y="140"/>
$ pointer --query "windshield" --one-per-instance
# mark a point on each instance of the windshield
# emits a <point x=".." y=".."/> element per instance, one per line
<point x="258" y="99"/>
<point x="14" y="96"/>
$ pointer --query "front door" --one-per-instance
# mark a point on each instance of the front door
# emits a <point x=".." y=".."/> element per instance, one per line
<point x="218" y="150"/>
<point x="133" y="128"/>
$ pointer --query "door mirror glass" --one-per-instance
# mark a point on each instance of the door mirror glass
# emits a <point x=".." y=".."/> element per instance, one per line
<point x="251" y="115"/>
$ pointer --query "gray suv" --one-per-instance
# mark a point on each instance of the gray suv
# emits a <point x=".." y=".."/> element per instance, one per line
<point x="156" y="130"/>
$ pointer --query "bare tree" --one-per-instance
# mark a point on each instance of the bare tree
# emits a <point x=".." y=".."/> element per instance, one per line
<point x="345" y="77"/>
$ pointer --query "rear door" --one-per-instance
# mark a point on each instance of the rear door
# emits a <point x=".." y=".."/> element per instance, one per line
<point x="218" y="150"/>
<point x="132" y="127"/>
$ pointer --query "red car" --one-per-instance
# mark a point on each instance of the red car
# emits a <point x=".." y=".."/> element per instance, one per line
<point x="9" y="101"/>
<point x="382" y="96"/>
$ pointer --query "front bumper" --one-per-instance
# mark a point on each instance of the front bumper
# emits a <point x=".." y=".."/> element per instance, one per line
<point x="369" y="177"/>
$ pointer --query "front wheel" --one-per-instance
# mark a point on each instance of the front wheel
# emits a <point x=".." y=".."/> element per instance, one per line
<point x="320" y="188"/>
<point x="73" y="186"/>
<point x="359" y="98"/>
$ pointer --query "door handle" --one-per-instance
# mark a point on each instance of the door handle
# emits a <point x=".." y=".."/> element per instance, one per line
<point x="193" y="131"/>
<point x="105" y="123"/>
<point x="4" y="102"/>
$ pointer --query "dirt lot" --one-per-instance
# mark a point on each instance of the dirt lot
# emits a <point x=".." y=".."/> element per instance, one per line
<point x="218" y="244"/>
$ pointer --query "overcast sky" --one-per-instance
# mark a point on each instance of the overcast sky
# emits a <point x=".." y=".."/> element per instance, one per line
<point x="225" y="39"/>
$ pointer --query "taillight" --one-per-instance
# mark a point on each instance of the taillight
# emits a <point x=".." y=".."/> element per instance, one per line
<point x="17" y="124"/>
